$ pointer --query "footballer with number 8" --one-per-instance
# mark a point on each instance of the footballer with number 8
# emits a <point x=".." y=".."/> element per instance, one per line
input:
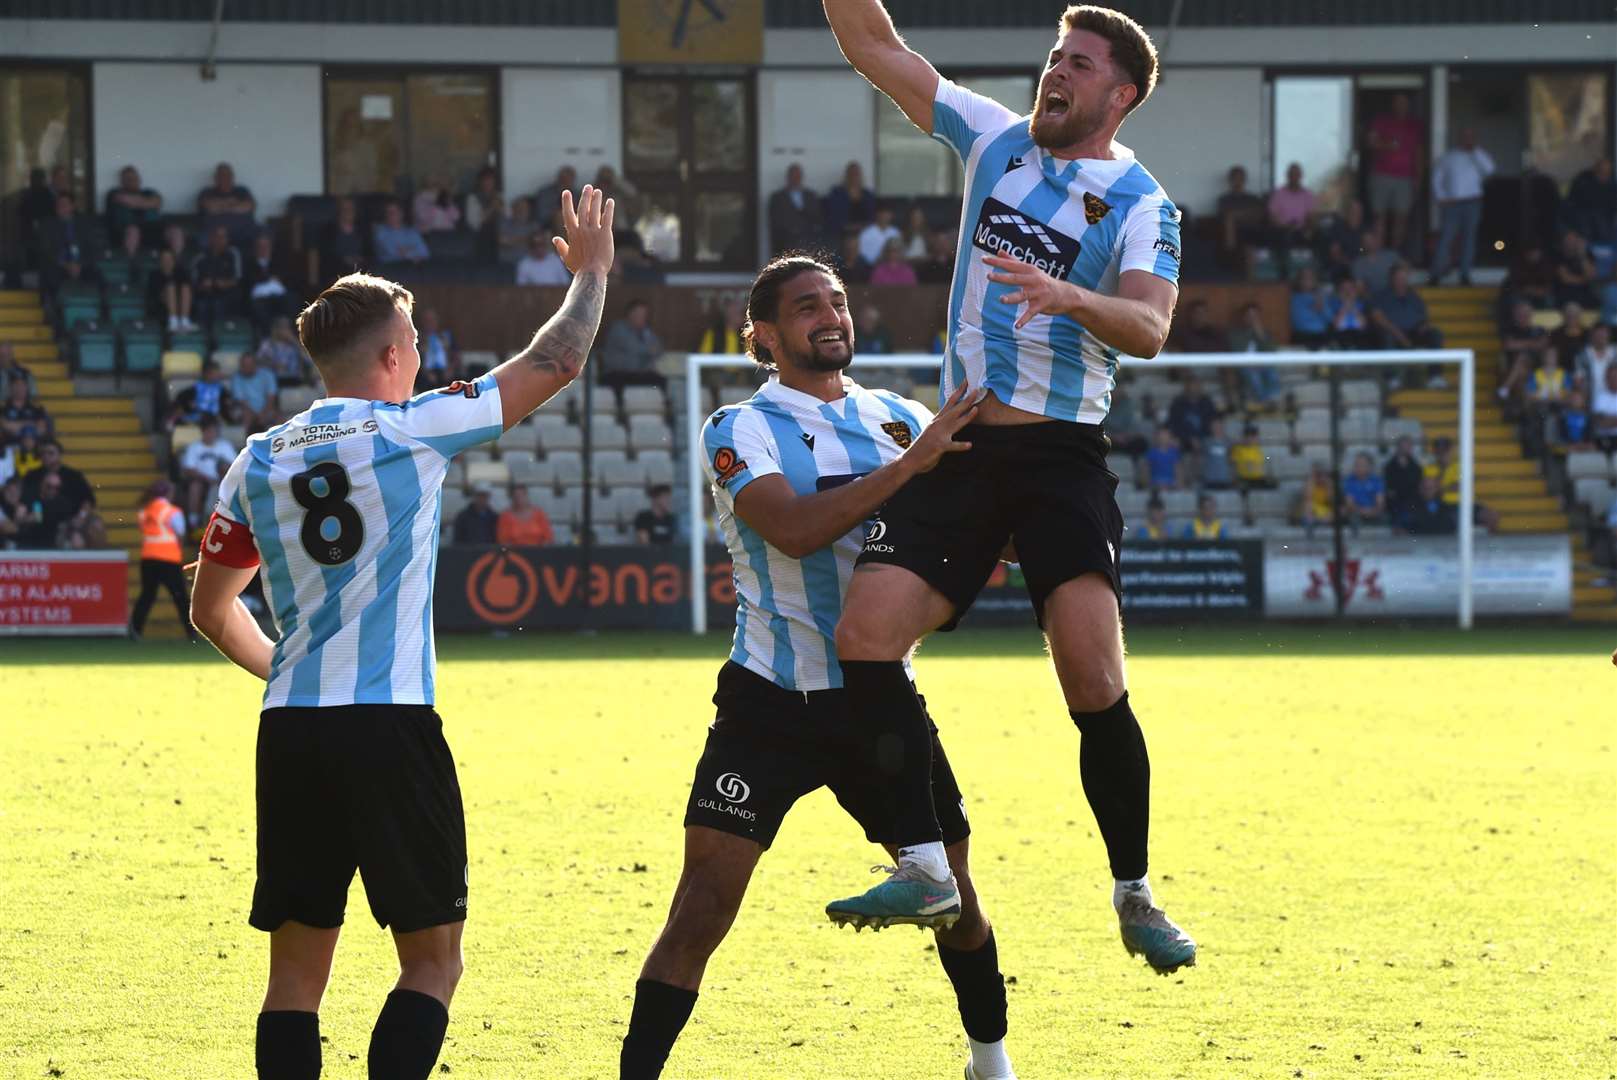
<point x="1068" y="258"/>
<point x="339" y="509"/>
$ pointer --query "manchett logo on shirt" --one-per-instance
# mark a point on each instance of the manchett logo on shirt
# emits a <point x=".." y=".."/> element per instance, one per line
<point x="1004" y="230"/>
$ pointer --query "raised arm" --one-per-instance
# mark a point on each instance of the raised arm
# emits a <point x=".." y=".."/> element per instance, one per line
<point x="865" y="32"/>
<point x="557" y="352"/>
<point x="799" y="525"/>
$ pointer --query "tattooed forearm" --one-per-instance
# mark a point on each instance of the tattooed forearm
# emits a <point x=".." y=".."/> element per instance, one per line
<point x="563" y="344"/>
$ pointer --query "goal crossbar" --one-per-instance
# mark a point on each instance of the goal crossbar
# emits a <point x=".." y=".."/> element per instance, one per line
<point x="1465" y="359"/>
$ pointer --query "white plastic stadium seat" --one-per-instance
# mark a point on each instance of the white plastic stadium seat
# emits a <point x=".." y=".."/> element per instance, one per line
<point x="649" y="433"/>
<point x="294" y="399"/>
<point x="567" y="466"/>
<point x="477" y="455"/>
<point x="1317" y="394"/>
<point x="735" y="395"/>
<point x="643" y="399"/>
<point x="1583" y="464"/>
<point x="1268" y="503"/>
<point x="523" y="438"/>
<point x="1179" y="503"/>
<point x="492" y="473"/>
<point x="608" y="434"/>
<point x="1272" y="431"/>
<point x="659" y="466"/>
<point x="1132" y="503"/>
<point x="234" y="434"/>
<point x="525" y="469"/>
<point x="1362" y="393"/>
<point x="1593" y="492"/>
<point x="1395" y="429"/>
<point x="1285" y="467"/>
<point x="229" y="360"/>
<point x="561" y="509"/>
<point x="1228" y="503"/>
<point x="563" y="436"/>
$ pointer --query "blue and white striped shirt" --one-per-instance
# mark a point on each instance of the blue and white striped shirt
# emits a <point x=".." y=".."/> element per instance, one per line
<point x="1084" y="221"/>
<point x="343" y="502"/>
<point x="786" y="608"/>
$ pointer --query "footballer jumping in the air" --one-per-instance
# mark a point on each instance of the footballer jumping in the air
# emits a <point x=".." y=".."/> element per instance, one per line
<point x="1068" y="258"/>
<point x="797" y="471"/>
<point x="339" y="509"/>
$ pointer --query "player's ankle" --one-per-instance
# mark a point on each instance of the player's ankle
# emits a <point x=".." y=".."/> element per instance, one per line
<point x="929" y="856"/>
<point x="1123" y="888"/>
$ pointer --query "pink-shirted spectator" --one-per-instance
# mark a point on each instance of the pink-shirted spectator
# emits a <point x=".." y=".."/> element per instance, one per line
<point x="1291" y="206"/>
<point x="1396" y="139"/>
<point x="435" y="209"/>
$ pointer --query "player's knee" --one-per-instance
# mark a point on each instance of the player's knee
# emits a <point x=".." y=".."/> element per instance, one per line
<point x="861" y="637"/>
<point x="437" y="975"/>
<point x="294" y="990"/>
<point x="1095" y="691"/>
<point x="703" y="916"/>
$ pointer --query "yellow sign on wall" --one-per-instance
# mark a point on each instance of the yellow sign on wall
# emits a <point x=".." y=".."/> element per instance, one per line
<point x="690" y="31"/>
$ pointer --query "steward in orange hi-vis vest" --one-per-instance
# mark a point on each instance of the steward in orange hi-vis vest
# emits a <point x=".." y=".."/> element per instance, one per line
<point x="162" y="529"/>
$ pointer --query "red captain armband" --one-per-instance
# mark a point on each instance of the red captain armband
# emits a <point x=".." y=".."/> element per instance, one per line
<point x="228" y="543"/>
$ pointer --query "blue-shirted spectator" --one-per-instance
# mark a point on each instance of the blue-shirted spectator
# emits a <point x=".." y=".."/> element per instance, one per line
<point x="1366" y="493"/>
<point x="1350" y="322"/>
<point x="1164" y="462"/>
<point x="1310" y="319"/>
<point x="254" y="389"/>
<point x="394" y="241"/>
<point x="202" y="400"/>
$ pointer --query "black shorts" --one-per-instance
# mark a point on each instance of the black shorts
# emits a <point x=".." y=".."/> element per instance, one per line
<point x="366" y="787"/>
<point x="768" y="747"/>
<point x="1044" y="487"/>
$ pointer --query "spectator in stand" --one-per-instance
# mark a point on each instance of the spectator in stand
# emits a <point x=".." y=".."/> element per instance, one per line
<point x="523" y="524"/>
<point x="1206" y="525"/>
<point x="1128" y="430"/>
<point x="52" y="510"/>
<point x="343" y="249"/>
<point x="254" y="389"/>
<point x="1575" y="273"/>
<point x="16" y="516"/>
<point x="632" y="349"/>
<point x="26" y="456"/>
<point x="1250" y="334"/>
<point x="394" y="241"/>
<point x="130" y="255"/>
<point x="542" y="265"/>
<point x="1240" y="217"/>
<point x="21" y="413"/>
<point x="723" y="334"/>
<point x="1291" y="210"/>
<point x="1571" y="336"/>
<point x="36" y="204"/>
<point x="130" y="204"/>
<point x="267" y="296"/>
<point x="484" y="204"/>
<point x="1608" y="300"/>
<point x="440" y="359"/>
<point x="168" y="292"/>
<point x="547" y="202"/>
<point x="852" y="267"/>
<point x="655" y="524"/>
<point x="1251" y="461"/>
<point x="1310" y="311"/>
<point x="1164" y="463"/>
<point x="917" y="235"/>
<point x="1350" y="322"/>
<point x="1317" y="506"/>
<point x="1431" y="514"/>
<point x="1191" y="415"/>
<point x="477" y="523"/>
<point x="1522" y="343"/>
<point x="69" y="245"/>
<point x="1395" y="142"/>
<point x="1531" y="278"/>
<point x="207" y="398"/>
<point x="75" y="488"/>
<point x="162" y="534"/>
<point x="434" y="208"/>
<point x="870" y="333"/>
<point x="11" y="371"/>
<point x="1335" y="263"/>
<point x="229" y="204"/>
<point x="515" y="232"/>
<point x="624" y="194"/>
<point x="1457" y="185"/>
<point x="1573" y="427"/>
<point x="282" y="353"/>
<point x="1548" y="387"/>
<point x="217" y="277"/>
<point x="1588" y="370"/>
<point x="893" y="268"/>
<point x="1399" y="317"/>
<point x="1375" y="264"/>
<point x="1196" y="332"/>
<point x="849" y="205"/>
<point x="874" y="238"/>
<point x="1591" y="203"/>
<point x="937" y="268"/>
<point x="1604" y="410"/>
<point x="1345" y="230"/>
<point x="1218" y="473"/>
<point x="1365" y="493"/>
<point x="175" y="240"/>
<point x="1156" y="520"/>
<point x="202" y="465"/>
<point x="795" y="221"/>
<point x="1446" y="472"/>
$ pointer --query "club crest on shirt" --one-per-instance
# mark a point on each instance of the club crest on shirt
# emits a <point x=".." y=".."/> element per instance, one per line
<point x="726" y="466"/>
<point x="899" y="431"/>
<point x="460" y="386"/>
<point x="1095" y="209"/>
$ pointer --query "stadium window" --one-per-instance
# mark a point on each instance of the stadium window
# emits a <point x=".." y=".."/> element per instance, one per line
<point x="909" y="163"/>
<point x="44" y="122"/>
<point x="394" y="132"/>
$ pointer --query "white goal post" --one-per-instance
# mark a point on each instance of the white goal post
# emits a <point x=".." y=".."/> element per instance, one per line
<point x="696" y="363"/>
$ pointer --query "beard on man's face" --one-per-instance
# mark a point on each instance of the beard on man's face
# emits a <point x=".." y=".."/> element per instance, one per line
<point x="834" y="356"/>
<point x="1052" y="132"/>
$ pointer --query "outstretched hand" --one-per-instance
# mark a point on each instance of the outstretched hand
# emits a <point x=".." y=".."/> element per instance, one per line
<point x="588" y="244"/>
<point x="1043" y="294"/>
<point x="939" y="437"/>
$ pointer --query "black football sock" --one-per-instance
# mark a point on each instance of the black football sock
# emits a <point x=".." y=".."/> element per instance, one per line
<point x="407" y="1036"/>
<point x="979" y="988"/>
<point x="288" y="1045"/>
<point x="660" y="1012"/>
<point x="889" y="715"/>
<point x="1117" y="782"/>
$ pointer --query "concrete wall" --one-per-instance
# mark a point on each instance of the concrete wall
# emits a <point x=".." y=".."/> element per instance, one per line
<point x="262" y="118"/>
<point x="553" y="117"/>
<point x="1196" y="124"/>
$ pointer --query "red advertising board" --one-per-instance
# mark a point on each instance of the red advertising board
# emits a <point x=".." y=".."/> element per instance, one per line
<point x="64" y="592"/>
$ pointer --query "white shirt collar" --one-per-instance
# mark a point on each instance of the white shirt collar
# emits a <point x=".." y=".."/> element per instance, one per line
<point x="776" y="390"/>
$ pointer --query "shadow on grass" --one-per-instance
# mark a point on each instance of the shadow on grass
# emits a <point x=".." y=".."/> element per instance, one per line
<point x="1150" y="640"/>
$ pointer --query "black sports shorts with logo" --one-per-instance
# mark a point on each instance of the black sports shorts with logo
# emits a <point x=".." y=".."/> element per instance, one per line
<point x="366" y="787"/>
<point x="768" y="747"/>
<point x="1044" y="486"/>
